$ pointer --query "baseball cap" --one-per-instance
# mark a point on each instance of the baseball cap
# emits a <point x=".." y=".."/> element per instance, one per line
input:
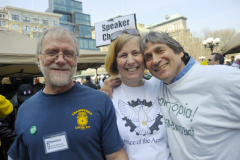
<point x="25" y="91"/>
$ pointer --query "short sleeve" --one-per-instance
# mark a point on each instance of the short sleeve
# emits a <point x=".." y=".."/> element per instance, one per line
<point x="111" y="140"/>
<point x="18" y="151"/>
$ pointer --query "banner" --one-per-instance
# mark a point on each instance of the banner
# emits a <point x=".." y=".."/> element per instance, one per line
<point x="104" y="29"/>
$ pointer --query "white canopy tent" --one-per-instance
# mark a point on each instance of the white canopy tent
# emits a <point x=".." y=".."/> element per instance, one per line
<point x="232" y="46"/>
<point x="18" y="56"/>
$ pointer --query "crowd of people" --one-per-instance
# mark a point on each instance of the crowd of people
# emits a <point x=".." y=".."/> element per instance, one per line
<point x="218" y="59"/>
<point x="184" y="111"/>
<point x="13" y="92"/>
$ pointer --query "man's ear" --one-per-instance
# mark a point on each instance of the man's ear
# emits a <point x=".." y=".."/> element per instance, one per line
<point x="182" y="54"/>
<point x="38" y="61"/>
<point x="218" y="61"/>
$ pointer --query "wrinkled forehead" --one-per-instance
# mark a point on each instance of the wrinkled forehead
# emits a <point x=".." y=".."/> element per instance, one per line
<point x="151" y="46"/>
<point x="57" y="35"/>
<point x="52" y="39"/>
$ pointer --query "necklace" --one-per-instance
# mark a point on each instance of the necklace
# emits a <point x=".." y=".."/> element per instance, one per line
<point x="143" y="119"/>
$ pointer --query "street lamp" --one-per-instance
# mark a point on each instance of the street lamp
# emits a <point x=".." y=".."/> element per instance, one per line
<point x="202" y="57"/>
<point x="211" y="43"/>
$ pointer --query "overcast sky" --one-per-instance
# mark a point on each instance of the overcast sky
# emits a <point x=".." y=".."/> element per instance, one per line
<point x="212" y="14"/>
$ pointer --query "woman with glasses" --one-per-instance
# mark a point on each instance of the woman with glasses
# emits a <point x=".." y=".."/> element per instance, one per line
<point x="139" y="118"/>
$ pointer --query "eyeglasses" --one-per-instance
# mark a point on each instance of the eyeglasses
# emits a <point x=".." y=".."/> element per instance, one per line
<point x="115" y="35"/>
<point x="53" y="56"/>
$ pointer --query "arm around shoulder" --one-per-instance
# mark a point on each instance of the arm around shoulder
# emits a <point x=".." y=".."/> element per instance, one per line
<point x="119" y="155"/>
<point x="109" y="83"/>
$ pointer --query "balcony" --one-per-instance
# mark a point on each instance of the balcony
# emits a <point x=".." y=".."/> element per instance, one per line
<point x="36" y="22"/>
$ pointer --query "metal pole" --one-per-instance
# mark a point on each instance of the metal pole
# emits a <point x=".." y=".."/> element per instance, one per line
<point x="96" y="75"/>
<point x="212" y="48"/>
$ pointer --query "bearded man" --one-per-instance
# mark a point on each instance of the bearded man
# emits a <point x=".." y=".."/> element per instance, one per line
<point x="65" y="120"/>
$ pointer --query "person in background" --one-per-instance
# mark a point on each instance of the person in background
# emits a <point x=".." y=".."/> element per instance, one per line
<point x="65" y="120"/>
<point x="7" y="86"/>
<point x="228" y="63"/>
<point x="6" y="80"/>
<point x="5" y="109"/>
<point x="15" y="85"/>
<point x="215" y="59"/>
<point x="237" y="63"/>
<point x="7" y="126"/>
<point x="139" y="117"/>
<point x="84" y="81"/>
<point x="89" y="83"/>
<point x="37" y="87"/>
<point x="24" y="92"/>
<point x="103" y="79"/>
<point x="232" y="60"/>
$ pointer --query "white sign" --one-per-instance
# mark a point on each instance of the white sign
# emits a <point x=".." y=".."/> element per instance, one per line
<point x="104" y="29"/>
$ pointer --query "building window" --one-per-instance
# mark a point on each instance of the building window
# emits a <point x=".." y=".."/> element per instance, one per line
<point x="15" y="17"/>
<point x="82" y="19"/>
<point x="3" y="23"/>
<point x="35" y="28"/>
<point x="70" y="27"/>
<point x="85" y="31"/>
<point x="13" y="26"/>
<point x="0" y="15"/>
<point x="54" y="23"/>
<point x="36" y="20"/>
<point x="45" y="22"/>
<point x="35" y="35"/>
<point x="17" y="26"/>
<point x="26" y="28"/>
<point x="0" y="23"/>
<point x="26" y="19"/>
<point x="28" y="35"/>
<point x="3" y="15"/>
<point x="66" y="19"/>
<point x="44" y="29"/>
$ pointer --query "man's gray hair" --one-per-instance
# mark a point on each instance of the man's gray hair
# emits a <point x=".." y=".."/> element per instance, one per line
<point x="160" y="37"/>
<point x="59" y="31"/>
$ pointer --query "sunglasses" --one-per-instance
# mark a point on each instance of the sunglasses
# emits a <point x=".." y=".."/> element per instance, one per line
<point x="115" y="35"/>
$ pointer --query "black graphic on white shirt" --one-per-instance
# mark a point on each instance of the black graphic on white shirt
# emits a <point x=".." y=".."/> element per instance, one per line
<point x="136" y="114"/>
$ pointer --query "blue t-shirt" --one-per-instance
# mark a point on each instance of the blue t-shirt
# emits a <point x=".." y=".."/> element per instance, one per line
<point x="83" y="116"/>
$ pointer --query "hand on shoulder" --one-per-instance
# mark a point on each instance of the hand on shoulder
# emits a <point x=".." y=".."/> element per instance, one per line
<point x="109" y="83"/>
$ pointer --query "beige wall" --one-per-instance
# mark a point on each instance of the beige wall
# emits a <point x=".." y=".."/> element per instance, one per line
<point x="31" y="25"/>
<point x="22" y="13"/>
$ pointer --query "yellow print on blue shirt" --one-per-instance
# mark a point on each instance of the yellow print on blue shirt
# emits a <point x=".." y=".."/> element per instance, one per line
<point x="82" y="118"/>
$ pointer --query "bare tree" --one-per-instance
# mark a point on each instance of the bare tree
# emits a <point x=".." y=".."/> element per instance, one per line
<point x="224" y="34"/>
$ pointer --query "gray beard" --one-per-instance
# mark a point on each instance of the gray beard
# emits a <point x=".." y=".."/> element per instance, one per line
<point x="58" y="80"/>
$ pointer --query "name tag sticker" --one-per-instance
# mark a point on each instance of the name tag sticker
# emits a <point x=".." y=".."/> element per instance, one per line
<point x="55" y="142"/>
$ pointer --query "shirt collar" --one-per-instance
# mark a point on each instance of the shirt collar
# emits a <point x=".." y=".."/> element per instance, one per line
<point x="189" y="65"/>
